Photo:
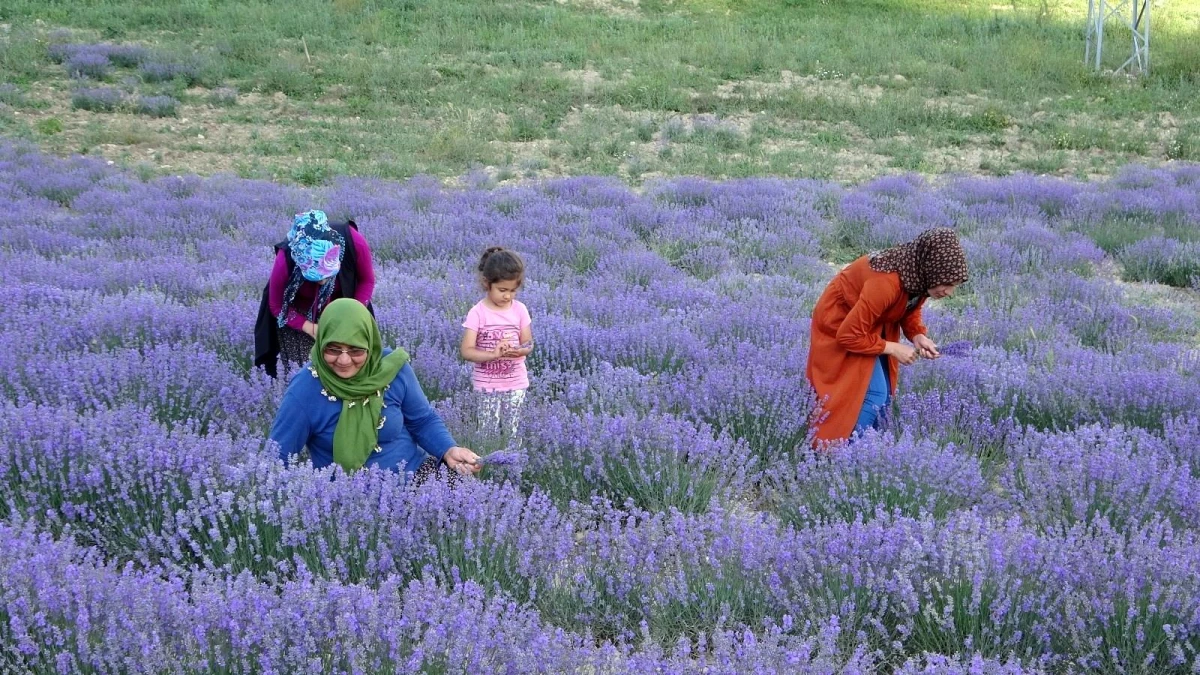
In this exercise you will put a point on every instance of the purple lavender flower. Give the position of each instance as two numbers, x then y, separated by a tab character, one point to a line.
876	475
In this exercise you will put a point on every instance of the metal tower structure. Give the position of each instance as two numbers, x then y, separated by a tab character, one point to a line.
1132	15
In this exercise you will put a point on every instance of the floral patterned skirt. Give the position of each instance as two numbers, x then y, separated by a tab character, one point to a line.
295	347
430	469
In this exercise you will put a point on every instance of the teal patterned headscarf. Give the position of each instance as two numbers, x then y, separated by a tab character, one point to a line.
317	249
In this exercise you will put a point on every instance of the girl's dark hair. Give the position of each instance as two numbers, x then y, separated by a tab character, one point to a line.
500	264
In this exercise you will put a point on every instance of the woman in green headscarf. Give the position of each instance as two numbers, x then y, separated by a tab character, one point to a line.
359	404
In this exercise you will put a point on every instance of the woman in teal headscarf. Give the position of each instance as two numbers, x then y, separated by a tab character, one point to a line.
358	404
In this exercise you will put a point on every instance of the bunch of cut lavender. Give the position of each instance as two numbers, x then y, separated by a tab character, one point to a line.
959	348
504	459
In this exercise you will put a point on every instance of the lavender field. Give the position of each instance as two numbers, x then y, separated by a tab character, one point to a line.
1034	508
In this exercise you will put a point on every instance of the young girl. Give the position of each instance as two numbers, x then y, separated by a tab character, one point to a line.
497	338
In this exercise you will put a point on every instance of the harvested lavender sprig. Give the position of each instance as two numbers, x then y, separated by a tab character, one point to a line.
503	458
959	348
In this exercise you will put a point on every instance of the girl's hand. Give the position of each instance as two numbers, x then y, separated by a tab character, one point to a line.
462	461
499	351
926	348
520	350
311	329
901	352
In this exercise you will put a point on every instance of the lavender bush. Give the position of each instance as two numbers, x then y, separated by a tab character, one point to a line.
223	96
1124	477
654	462
97	99
126	56
878	474
88	64
11	94
122	56
1031	508
165	69
156	106
1165	261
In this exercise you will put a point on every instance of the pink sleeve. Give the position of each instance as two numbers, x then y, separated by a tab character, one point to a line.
473	321
276	285
526	320
366	269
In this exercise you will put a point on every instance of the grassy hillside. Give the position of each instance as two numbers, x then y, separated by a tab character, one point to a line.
309	89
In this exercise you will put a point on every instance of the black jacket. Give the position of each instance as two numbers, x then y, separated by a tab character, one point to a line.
266	326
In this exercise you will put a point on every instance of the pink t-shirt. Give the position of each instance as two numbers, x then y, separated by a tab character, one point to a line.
491	328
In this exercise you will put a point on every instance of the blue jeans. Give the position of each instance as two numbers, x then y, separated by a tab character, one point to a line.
874	408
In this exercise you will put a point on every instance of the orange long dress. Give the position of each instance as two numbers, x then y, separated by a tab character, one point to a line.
858	312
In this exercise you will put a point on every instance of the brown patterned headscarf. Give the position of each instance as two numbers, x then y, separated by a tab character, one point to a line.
932	259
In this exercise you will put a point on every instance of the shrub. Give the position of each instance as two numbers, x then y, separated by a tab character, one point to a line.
122	56
166	71
97	99
127	56
11	94
223	96
1162	260
88	64
157	106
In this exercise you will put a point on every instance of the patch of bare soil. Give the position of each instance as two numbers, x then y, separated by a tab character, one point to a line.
588	80
964	159
199	139
961	105
835	88
614	7
206	139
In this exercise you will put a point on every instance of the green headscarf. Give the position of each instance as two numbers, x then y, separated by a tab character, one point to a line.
347	321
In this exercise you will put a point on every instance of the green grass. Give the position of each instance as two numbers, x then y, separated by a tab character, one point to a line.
1185	144
1047	163
537	87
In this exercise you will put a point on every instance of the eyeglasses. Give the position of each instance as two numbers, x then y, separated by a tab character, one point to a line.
352	352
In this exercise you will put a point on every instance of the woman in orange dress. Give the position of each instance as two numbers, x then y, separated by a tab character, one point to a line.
856	353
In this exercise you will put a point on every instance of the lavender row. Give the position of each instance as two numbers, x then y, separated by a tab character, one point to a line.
701	228
1091	600
109	618
958	583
